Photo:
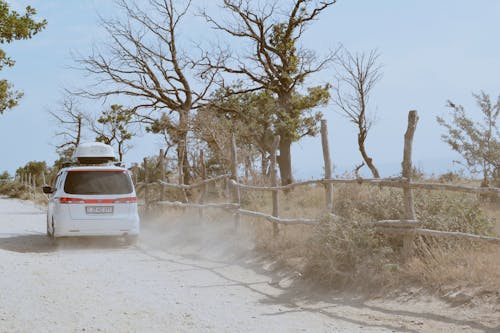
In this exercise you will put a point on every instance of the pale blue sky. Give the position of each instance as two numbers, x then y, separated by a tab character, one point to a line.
431	51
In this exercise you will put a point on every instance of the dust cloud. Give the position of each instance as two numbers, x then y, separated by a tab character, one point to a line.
211	236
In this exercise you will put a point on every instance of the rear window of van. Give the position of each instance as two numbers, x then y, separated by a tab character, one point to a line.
98	182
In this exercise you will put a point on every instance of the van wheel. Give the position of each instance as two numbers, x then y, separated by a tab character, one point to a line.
50	233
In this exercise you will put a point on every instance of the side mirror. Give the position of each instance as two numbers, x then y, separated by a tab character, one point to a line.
47	189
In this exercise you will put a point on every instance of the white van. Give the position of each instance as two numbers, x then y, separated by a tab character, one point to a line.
93	197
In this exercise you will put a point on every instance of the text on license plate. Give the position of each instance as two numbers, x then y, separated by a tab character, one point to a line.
99	209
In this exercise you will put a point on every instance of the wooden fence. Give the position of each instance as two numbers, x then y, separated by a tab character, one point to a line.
407	226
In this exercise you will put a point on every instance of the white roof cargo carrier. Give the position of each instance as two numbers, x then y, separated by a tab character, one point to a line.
94	153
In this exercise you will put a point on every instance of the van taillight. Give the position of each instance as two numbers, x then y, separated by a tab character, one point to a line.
71	200
126	200
65	200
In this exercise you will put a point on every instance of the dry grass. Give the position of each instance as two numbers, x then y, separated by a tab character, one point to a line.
459	264
299	202
492	210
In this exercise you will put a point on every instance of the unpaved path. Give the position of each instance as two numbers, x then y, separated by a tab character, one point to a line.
165	284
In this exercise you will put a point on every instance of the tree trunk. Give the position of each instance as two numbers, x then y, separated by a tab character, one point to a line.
120	152
285	160
182	148
485	182
79	130
285	157
248	167
182	158
264	163
366	158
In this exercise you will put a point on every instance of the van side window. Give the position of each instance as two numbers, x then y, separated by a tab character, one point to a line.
57	183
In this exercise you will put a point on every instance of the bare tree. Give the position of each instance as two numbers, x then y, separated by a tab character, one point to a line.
70	122
276	63
355	80
142	60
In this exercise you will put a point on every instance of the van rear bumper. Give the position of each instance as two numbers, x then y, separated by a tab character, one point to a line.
80	233
97	228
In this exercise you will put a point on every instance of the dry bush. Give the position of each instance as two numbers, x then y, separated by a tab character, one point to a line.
439	210
15	190
23	192
452	211
347	252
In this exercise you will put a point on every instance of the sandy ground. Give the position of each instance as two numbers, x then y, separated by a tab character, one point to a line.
184	281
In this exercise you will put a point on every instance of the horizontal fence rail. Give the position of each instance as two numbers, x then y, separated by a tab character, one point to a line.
186	187
271	218
393	182
455	234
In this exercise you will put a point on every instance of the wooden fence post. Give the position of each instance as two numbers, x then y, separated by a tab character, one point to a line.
235	193
328	167
161	161
29	184
274	183
407	166
33	185
146	187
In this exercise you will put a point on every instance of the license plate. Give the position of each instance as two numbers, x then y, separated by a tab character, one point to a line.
99	209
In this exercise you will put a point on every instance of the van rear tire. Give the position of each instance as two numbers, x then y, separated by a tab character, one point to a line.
50	233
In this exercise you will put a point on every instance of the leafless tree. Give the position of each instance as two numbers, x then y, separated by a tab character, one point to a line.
70	122
276	62
355	80
142	60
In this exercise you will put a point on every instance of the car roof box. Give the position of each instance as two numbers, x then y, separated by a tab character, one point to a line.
94	153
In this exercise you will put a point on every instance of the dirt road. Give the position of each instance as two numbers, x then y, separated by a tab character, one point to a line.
169	284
